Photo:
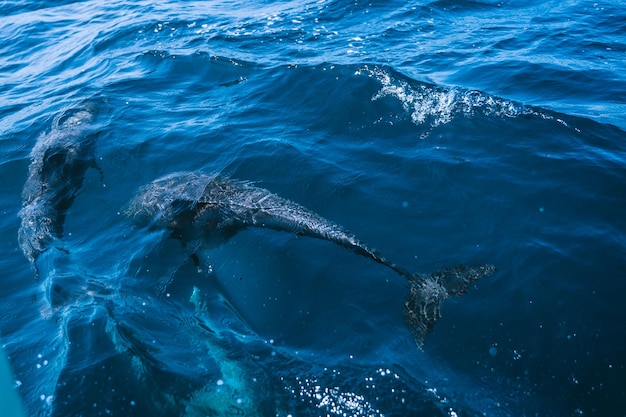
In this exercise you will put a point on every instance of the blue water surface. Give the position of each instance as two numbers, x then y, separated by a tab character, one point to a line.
440	133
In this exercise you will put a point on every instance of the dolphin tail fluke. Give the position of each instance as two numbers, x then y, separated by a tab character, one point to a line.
427	292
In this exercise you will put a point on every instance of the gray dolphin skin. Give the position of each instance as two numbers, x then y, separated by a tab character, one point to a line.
209	208
58	163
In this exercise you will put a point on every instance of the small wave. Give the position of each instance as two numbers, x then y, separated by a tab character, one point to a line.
435	106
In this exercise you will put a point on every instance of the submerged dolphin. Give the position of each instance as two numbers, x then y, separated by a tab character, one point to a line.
58	163
209	208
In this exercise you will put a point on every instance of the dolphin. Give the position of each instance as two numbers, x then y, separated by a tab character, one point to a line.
209	208
58	163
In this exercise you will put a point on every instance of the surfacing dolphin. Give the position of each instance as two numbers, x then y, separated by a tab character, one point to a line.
58	163
209	208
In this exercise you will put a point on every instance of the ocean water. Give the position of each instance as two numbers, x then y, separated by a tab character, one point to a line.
441	133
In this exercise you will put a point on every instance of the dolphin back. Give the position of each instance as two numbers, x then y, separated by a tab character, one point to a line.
213	208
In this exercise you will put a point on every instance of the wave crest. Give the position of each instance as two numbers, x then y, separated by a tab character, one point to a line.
435	106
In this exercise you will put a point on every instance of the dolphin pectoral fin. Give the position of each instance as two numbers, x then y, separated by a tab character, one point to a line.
98	168
426	293
196	261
